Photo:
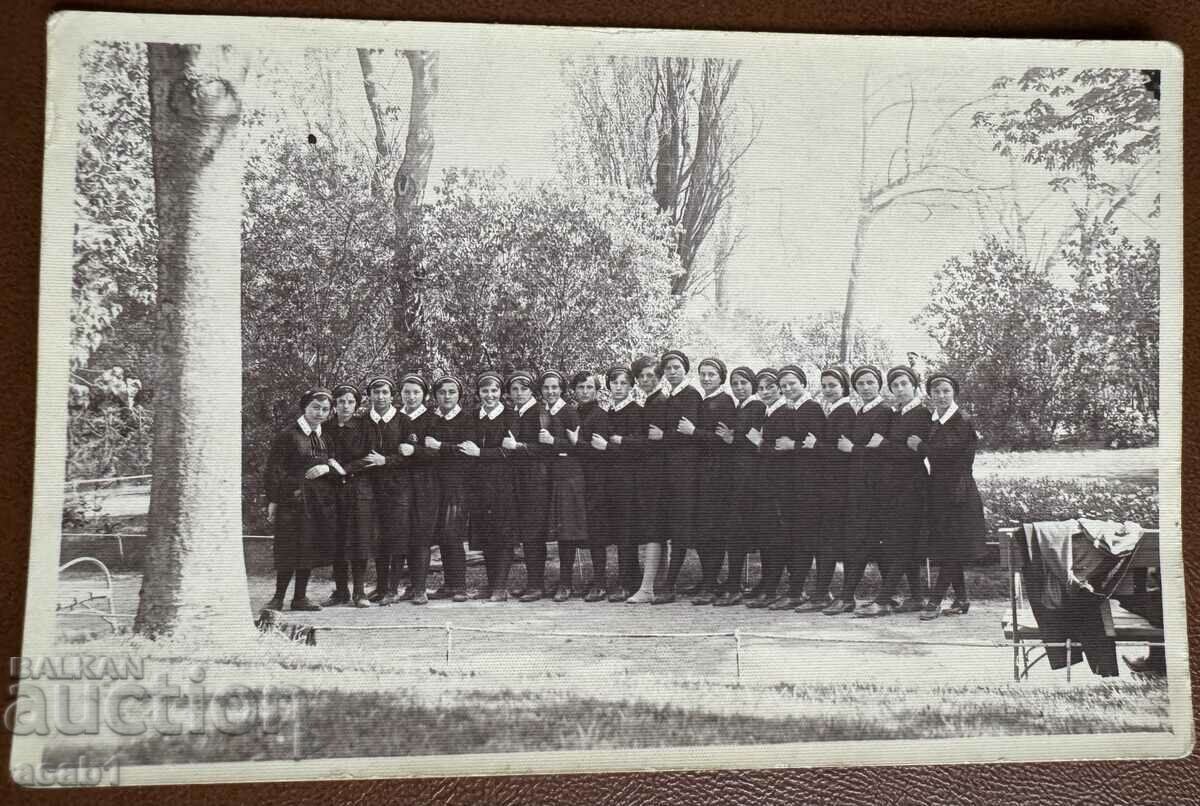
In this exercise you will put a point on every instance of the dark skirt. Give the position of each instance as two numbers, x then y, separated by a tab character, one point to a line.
834	511
866	515
531	486
355	520
714	499
601	515
648	516
454	510
493	507
681	477
426	495
567	517
957	529
306	529
621	489
744	519
393	511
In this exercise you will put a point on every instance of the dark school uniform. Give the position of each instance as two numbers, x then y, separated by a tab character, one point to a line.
957	529
356	491
566	520
680	469
306	509
624	474
493	495
804	501
455	472
714	489
595	463
834	467
744	519
904	497
650	513
530	474
383	434
422	476
866	514
777	472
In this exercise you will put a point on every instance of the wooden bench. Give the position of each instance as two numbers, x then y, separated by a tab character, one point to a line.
1021	628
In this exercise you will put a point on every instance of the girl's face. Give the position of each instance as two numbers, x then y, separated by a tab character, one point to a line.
346	406
316	411
489	395
673	371
710	380
648	380
868	387
769	392
520	393
381	397
551	391
447	396
619	387
831	387
741	387
903	389
585	390
791	387
942	395
413	396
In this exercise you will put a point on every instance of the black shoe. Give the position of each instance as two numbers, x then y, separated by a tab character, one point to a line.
837	607
690	590
441	593
361	601
305	604
761	601
276	603
619	595
420	598
728	599
958	608
562	594
784	602
704	598
376	595
931	611
596	594
531	595
459	596
873	610
815	604
663	598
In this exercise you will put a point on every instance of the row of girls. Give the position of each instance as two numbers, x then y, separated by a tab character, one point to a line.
747	463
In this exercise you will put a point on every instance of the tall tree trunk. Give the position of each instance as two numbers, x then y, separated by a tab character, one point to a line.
195	572
370	74
409	185
856	259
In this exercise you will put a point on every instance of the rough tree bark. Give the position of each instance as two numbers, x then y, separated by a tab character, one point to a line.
370	74
195	572
410	181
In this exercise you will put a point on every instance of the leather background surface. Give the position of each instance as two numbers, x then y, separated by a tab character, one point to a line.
23	56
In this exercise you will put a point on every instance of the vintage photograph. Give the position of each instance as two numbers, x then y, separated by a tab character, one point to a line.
431	399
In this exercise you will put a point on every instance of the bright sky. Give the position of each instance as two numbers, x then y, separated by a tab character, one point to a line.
798	185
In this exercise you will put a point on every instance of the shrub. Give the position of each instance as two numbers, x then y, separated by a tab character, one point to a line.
1010	502
1129	428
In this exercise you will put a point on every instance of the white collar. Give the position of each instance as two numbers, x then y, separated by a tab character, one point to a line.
306	428
628	399
415	413
720	390
669	392
778	404
878	399
950	412
452	414
910	405
742	403
557	407
841	401
386	416
800	401
493	414
530	403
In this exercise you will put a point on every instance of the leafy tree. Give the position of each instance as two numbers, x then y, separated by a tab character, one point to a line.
1004	330
555	274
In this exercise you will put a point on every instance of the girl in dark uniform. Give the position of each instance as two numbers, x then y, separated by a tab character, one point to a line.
800	497
384	427
302	500
529	456
742	522
681	457
775	485
865	513
713	486
624	429
956	524
566	521
649	514
452	437
421	469
356	496
905	489
834	463
493	511
592	449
